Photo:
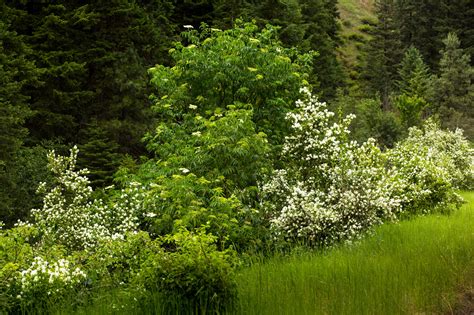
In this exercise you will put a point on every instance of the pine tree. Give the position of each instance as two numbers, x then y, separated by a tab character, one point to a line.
456	17
18	167
322	35
415	77
425	23
384	53
98	154
285	14
418	26
455	91
94	59
17	71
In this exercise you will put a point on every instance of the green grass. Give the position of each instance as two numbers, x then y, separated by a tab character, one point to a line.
417	266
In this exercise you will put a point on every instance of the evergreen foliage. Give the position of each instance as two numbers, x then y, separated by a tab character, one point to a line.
455	91
384	53
322	35
94	59
415	77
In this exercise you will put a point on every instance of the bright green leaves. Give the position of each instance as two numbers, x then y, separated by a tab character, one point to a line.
240	65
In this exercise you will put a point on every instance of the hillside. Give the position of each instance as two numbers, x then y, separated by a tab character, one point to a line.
356	16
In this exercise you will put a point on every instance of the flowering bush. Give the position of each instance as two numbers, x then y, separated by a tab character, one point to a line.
16	253
429	164
332	188
70	216
48	280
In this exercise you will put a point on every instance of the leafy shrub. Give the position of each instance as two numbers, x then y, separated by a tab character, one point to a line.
430	164
225	144
192	274
15	253
371	121
45	282
33	277
239	65
205	173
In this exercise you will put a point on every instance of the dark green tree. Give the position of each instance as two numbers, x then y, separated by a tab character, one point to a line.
384	53
285	14
454	89
425	23
321	34
418	21
17	72
20	170
98	154
415	77
94	59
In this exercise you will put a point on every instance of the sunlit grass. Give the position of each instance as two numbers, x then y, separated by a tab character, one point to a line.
412	267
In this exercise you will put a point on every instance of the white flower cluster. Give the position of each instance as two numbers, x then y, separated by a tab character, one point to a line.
428	165
71	217
333	188
51	278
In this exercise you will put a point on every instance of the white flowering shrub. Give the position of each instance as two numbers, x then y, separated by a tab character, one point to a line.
47	281
430	164
332	188
70	216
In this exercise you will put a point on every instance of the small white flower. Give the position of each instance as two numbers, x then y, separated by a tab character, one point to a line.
184	170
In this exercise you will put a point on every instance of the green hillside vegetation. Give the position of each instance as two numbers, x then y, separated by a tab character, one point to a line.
356	18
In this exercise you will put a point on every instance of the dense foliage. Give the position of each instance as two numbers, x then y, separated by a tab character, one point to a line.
232	155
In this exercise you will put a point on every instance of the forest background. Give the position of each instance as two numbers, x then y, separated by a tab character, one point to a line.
76	73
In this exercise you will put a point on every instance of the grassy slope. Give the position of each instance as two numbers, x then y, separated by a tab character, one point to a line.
416	266
353	14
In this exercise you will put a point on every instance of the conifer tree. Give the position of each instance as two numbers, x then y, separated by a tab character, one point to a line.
455	91
415	77
94	59
17	166
283	13
322	35
384	52
17	71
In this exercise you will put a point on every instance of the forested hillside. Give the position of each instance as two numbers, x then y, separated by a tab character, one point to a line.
251	125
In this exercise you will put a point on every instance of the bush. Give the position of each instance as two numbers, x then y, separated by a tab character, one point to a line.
16	253
192	274
70	216
430	164
45	282
332	188
239	65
